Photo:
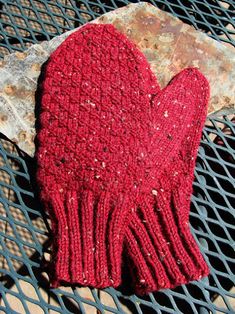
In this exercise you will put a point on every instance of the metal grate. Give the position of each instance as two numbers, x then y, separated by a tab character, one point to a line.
25	22
24	236
25	228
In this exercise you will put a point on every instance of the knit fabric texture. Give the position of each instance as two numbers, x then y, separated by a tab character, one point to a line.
162	250
115	163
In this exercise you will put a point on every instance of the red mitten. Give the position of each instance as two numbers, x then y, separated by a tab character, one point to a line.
93	144
104	144
158	240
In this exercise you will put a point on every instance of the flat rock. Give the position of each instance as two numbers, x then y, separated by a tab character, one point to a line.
169	45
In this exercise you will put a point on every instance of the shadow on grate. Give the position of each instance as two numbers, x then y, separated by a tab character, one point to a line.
25	240
26	22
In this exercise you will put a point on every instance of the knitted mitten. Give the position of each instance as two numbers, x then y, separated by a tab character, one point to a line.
158	240
104	142
95	128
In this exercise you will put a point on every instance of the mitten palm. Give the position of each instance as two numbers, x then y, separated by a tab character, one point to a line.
95	127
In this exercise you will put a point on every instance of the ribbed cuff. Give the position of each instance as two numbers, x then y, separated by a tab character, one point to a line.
88	240
162	250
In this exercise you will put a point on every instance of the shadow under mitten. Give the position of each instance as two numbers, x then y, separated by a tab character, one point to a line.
158	239
95	124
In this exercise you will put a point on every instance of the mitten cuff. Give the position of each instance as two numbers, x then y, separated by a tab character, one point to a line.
87	239
162	250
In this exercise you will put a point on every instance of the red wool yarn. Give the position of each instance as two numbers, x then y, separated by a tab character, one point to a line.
110	145
158	240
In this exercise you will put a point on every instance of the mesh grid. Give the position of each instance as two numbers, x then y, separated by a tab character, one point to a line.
25	234
25	228
24	22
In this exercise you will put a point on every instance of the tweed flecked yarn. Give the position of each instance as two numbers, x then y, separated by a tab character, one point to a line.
110	143
159	243
95	126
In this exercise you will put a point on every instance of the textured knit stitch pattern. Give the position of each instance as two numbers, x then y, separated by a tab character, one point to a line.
94	128
158	239
109	143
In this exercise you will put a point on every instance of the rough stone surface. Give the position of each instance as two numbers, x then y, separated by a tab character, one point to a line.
168	44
